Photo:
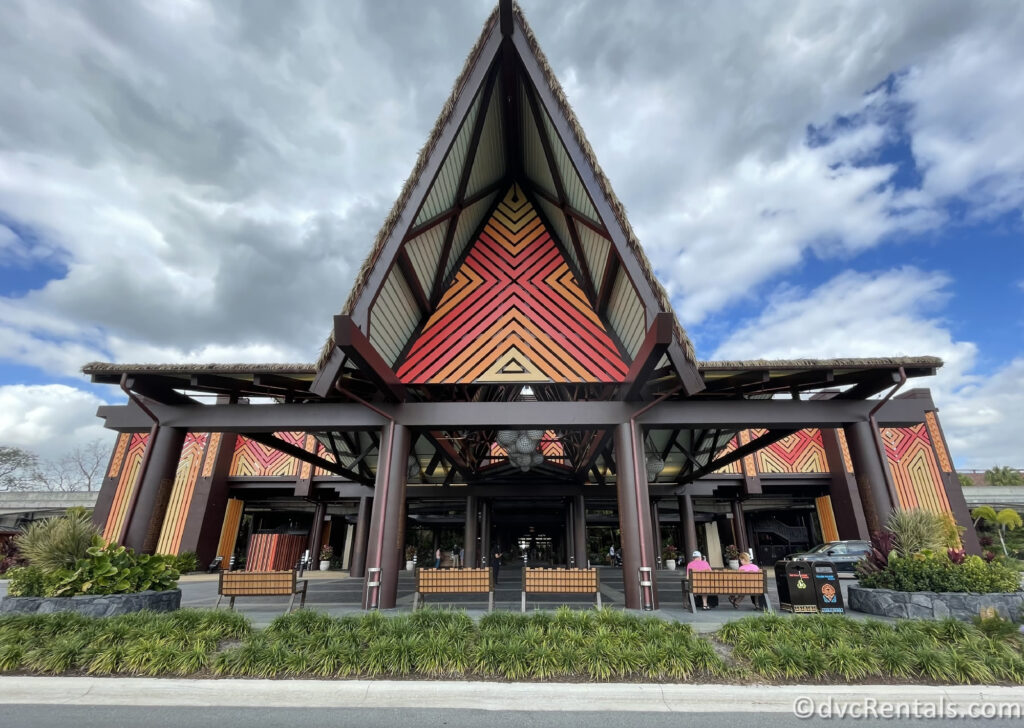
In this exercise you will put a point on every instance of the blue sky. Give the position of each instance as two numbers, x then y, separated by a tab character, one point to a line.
192	182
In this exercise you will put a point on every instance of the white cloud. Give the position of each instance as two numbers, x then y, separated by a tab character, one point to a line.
894	314
49	420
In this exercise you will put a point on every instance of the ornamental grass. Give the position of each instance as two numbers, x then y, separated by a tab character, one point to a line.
564	645
836	649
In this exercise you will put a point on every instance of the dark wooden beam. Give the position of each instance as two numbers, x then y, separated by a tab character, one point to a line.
482	193
739	453
437	416
266	438
159	389
413	281
276	381
350	340
604	294
652	349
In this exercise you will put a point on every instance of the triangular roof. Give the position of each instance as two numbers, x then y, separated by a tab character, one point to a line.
513	312
507	121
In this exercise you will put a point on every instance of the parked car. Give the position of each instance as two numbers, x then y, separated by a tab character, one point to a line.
844	554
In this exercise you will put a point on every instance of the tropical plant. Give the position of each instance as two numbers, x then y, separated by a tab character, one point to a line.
882	547
965	480
326	553
10	556
1003	475
1006	519
731	553
669	553
915	530
57	543
187	562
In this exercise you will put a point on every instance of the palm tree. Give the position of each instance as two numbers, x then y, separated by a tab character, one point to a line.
1003	520
1003	475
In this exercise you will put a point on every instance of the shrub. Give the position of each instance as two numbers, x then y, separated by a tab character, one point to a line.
186	563
31	581
916	530
932	572
57	543
111	569
10	556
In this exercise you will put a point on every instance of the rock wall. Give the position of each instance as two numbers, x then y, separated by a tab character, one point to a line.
108	605
933	605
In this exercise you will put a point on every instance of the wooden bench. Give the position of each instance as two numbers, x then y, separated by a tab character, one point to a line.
453	581
561	581
234	584
727	583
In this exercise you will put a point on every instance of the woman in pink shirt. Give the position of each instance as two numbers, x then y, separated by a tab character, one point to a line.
745	565
697	563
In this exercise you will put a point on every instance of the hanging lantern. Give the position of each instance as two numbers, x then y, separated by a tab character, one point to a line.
536	459
524	444
507	437
535	435
655	464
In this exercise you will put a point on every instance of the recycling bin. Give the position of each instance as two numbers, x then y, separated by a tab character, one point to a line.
827	593
796	589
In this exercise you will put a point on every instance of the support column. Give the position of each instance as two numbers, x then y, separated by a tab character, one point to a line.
846	504
569	542
869	472
387	531
634	517
688	526
146	515
739	525
357	567
470	536
316	532
655	531
579	531
486	549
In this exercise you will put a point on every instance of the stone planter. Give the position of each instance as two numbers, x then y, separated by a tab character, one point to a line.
325	565
933	605
670	564
108	605
410	565
734	564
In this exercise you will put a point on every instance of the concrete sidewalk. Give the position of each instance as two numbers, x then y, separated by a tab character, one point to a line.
462	695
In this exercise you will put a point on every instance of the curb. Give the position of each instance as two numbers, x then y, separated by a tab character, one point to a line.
555	697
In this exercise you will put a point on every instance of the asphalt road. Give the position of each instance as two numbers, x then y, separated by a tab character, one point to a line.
102	716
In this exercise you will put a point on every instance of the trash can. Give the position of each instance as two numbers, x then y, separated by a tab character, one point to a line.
827	592
796	590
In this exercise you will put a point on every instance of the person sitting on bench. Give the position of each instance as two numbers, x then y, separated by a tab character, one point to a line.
698	563
745	565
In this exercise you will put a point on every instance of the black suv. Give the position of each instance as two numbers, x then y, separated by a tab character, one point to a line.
844	554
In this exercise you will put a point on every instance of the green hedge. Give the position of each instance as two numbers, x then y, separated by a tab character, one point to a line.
937	573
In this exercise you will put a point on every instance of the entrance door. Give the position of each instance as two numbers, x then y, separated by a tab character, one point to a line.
530	533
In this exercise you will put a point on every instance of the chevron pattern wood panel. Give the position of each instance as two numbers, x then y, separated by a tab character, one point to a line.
130	462
513	313
253	460
914	468
801	452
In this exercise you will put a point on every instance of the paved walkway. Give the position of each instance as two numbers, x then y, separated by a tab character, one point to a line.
336	594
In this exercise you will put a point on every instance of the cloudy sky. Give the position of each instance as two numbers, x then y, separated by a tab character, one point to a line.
185	181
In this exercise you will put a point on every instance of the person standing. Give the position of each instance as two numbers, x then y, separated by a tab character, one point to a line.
437	558
611	554
496	564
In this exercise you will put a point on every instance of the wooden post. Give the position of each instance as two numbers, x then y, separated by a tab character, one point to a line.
357	568
470	535
387	531
150	507
869	473
579	512
688	525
